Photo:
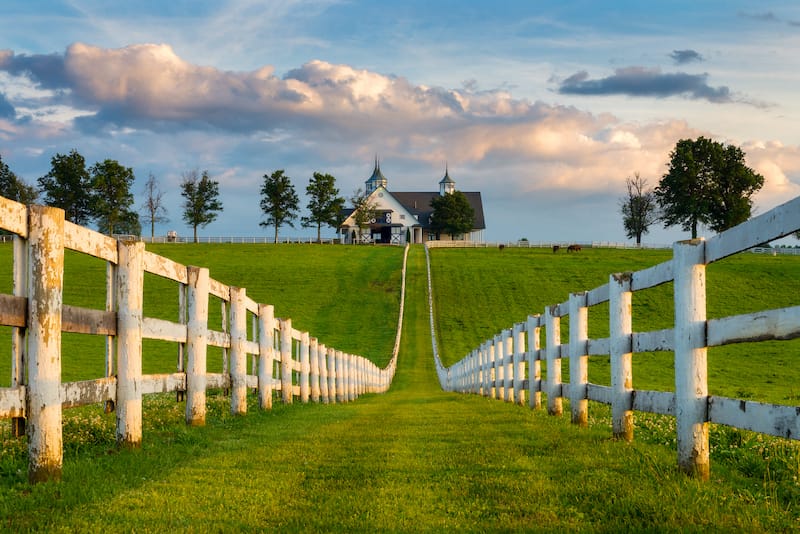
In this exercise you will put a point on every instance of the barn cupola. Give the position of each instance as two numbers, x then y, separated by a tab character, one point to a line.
376	180
446	185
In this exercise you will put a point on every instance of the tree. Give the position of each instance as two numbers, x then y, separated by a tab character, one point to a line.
111	198
14	188
639	208
279	201
201	200
324	205
452	214
68	186
364	211
153	205
706	183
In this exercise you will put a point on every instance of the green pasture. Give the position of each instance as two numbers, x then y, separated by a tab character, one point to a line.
415	459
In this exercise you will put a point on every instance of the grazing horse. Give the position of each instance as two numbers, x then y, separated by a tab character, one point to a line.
574	248
556	248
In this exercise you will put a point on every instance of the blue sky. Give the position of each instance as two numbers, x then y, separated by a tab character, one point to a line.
544	107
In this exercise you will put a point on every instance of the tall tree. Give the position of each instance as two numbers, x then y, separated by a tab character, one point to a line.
112	198
153	205
279	201
639	208
706	183
364	211
324	204
68	186
14	188
452	214
200	200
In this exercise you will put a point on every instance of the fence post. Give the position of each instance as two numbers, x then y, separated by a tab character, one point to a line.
313	356
238	353
499	370
196	345
305	368
332	370
341	376
508	364
266	354
18	333
621	331
322	355
130	297
519	363
578	359
45	277
534	363
553	350
486	370
691	365
286	361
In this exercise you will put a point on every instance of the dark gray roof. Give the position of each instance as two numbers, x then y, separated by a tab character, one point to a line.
419	204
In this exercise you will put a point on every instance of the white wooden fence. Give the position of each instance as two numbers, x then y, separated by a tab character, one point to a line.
497	368
283	359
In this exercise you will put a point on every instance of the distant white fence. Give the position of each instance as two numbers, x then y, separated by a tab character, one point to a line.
236	239
540	244
497	368
282	359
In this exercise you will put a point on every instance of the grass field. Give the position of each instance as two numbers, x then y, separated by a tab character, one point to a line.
415	459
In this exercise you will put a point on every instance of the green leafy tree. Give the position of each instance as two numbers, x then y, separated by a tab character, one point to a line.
706	183
452	215
14	188
112	198
364	211
324	204
153	205
200	200
639	208
279	201
68	186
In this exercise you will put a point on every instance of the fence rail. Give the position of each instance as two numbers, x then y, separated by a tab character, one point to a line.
282	359
497	368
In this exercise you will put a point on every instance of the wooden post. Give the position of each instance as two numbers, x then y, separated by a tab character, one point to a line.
691	365
508	359
305	368
238	352
45	282
130	299
266	354
534	363
322	354
196	344
182	319
332	370
621	330
352	376
578	359
18	333
341	377
499	367
286	361
111	306
519	363
313	358
486	371
553	350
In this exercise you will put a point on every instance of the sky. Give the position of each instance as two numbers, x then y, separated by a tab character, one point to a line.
544	107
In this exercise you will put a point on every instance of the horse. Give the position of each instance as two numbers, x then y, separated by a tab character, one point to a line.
556	248
574	248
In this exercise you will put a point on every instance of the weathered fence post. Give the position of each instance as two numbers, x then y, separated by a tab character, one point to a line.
691	365
519	363
578	359
553	350
266	354
196	345
305	368
130	299
45	276
313	357
332	370
238	353
18	333
534	363
322	355
621	331
286	361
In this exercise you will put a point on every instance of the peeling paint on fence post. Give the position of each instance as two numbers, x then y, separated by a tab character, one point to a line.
266	354
534	363
332	370
196	344
286	361
578	359
553	350
519	363
18	333
238	353
313	358
322	355
305	368
691	365
130	299
621	330
45	281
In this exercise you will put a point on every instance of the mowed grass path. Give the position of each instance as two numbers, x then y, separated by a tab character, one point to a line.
413	460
